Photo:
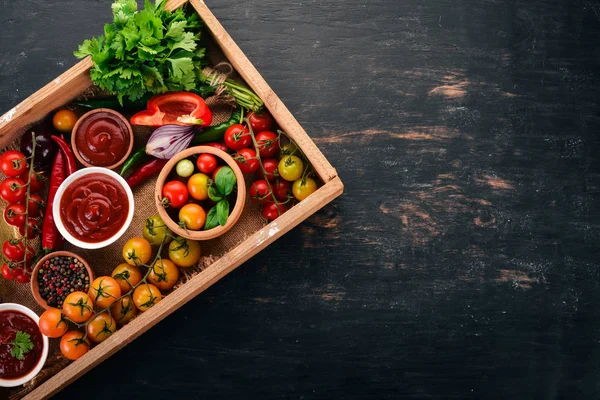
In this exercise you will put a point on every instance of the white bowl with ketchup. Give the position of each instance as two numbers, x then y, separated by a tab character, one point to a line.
93	207
16	318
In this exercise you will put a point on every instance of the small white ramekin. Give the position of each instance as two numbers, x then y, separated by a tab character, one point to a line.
41	362
56	207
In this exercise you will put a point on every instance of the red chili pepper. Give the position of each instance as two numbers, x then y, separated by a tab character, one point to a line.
145	171
67	153
51	237
176	108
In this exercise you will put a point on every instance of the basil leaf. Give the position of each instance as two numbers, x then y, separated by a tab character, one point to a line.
222	211
225	181
214	194
211	219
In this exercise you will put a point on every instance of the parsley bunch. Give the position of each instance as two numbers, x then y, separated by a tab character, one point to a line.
147	51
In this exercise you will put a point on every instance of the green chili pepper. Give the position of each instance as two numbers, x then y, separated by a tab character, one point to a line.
133	159
215	133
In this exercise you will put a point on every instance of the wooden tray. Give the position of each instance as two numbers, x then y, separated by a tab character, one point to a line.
73	84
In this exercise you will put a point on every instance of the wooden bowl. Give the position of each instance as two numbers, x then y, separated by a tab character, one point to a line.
75	132
239	202
35	289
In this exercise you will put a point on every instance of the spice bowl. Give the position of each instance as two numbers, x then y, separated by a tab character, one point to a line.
235	213
60	264
18	308
102	138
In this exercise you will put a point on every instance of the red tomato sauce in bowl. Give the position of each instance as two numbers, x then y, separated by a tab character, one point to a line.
94	207
102	138
12	322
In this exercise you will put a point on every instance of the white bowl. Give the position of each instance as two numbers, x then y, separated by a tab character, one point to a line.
41	362
56	207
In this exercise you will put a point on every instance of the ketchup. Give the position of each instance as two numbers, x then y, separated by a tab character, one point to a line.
12	322
102	139
94	208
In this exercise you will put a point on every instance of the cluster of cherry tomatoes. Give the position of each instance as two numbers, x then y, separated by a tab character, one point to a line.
132	287
20	213
283	174
200	192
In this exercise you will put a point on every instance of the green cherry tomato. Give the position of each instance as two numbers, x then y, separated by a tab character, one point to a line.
290	168
185	168
155	230
302	188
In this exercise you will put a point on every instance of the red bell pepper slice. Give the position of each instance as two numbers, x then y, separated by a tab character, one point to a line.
175	108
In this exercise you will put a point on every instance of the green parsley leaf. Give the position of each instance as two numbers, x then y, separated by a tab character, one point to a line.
175	30
21	345
181	66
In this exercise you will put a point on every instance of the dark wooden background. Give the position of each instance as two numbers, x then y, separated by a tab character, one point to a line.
462	259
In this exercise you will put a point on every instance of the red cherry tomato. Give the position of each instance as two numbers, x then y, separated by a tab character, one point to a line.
14	215
260	193
216	145
270	165
37	180
12	190
32	228
176	192
35	204
16	251
246	160
13	163
270	211
237	137
268	143
282	189
7	273
214	174
260	121
20	275
206	163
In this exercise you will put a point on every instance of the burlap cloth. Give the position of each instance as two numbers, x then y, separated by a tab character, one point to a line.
103	261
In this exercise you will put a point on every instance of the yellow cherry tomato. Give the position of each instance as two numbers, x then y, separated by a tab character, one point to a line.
198	186
137	251
155	230
164	274
64	121
184	252
290	168
145	296
302	188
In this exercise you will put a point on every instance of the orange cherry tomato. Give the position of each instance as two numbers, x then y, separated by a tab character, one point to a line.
73	345
145	296
137	251
78	307
104	291
52	323
164	274
198	186
127	276
64	121
192	216
123	310
101	327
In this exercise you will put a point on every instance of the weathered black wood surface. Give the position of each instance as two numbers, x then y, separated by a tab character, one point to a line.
462	260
